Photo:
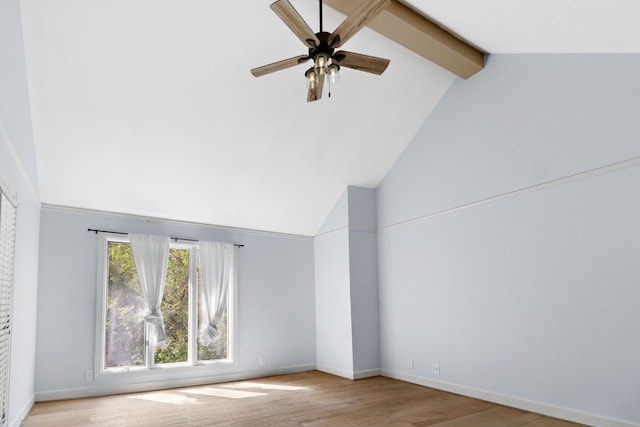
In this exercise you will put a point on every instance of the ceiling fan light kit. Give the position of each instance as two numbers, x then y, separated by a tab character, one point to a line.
322	46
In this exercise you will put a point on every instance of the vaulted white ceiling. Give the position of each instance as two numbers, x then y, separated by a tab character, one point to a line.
148	107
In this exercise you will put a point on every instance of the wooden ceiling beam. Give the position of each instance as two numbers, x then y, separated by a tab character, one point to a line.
424	37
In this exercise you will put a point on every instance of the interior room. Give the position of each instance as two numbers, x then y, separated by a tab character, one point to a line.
463	216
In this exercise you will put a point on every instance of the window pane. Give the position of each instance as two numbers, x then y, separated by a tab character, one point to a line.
124	338
124	344
218	349
175	309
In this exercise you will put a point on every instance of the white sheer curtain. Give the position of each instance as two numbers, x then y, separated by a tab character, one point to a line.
216	263
151	254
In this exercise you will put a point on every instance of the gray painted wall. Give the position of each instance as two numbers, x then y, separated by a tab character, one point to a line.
334	339
276	286
347	287
364	281
509	239
18	176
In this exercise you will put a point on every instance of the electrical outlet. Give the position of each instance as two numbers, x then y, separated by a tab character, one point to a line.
263	360
88	375
436	369
410	363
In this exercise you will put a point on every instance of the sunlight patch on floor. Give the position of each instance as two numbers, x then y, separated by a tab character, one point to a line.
222	392
172	398
227	391
263	386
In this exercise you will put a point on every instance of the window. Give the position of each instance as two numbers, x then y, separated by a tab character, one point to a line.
123	336
7	246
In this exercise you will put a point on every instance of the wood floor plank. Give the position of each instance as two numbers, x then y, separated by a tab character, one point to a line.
307	399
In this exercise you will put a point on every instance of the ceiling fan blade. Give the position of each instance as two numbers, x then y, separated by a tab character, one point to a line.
358	61
280	65
294	21
320	86
365	12
315	93
311	94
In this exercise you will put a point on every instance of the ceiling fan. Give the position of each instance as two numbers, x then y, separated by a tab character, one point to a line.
322	46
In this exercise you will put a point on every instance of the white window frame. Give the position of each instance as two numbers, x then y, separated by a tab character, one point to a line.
102	289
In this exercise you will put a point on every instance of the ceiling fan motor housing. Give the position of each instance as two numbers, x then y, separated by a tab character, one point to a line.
323	47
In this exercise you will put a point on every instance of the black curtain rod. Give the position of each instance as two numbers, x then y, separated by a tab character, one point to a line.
172	238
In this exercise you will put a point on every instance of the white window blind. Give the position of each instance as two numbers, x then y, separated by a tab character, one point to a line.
7	245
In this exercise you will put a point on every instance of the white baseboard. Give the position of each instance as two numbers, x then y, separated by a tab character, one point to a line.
367	373
515	402
16	420
351	375
335	371
104	390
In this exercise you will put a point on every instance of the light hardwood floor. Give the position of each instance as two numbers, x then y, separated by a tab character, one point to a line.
304	399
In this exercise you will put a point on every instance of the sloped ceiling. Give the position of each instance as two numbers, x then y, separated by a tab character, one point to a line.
148	107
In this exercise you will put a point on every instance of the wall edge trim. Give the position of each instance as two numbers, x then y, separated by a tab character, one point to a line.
601	170
346	228
332	232
177	222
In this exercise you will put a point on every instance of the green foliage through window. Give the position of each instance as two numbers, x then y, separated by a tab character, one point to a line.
124	338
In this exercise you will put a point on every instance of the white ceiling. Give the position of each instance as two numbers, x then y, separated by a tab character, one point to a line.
148	107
